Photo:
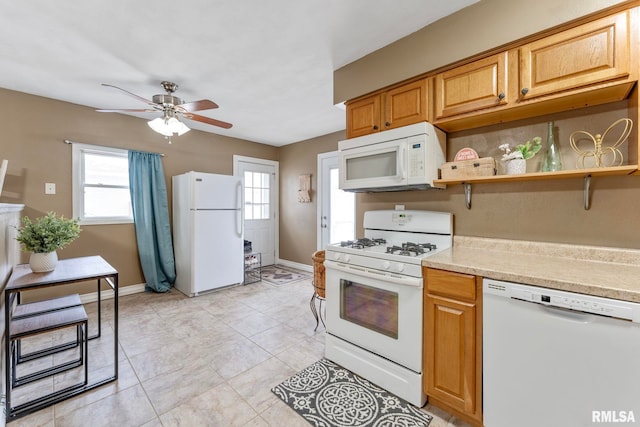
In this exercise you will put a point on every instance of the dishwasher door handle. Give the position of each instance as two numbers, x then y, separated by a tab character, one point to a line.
565	313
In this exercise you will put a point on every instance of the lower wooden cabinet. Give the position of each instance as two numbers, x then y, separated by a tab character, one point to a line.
452	366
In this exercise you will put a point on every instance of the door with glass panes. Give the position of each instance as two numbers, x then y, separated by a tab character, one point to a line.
259	206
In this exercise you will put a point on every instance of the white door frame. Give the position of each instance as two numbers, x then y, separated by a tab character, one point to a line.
321	157
322	163
276	194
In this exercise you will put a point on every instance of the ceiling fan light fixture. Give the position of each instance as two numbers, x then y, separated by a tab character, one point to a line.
176	126
182	128
168	126
158	124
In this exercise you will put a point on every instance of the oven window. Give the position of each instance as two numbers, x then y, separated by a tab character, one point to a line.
369	307
372	166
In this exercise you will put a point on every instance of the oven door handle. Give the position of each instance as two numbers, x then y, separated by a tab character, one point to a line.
398	280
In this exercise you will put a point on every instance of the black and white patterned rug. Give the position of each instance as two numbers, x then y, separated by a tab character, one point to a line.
327	395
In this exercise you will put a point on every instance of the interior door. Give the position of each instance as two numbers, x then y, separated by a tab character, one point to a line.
336	208
260	204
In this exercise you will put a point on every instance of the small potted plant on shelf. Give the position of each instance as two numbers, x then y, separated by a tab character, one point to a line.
44	236
515	160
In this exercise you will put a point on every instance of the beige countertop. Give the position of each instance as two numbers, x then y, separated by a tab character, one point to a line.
593	270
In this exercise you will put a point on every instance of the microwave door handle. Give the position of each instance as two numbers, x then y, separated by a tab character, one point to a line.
403	163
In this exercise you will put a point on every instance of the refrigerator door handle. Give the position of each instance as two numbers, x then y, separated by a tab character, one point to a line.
240	214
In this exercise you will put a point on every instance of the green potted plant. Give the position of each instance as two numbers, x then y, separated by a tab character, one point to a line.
44	236
515	160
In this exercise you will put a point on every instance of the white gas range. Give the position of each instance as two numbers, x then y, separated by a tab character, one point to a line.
374	297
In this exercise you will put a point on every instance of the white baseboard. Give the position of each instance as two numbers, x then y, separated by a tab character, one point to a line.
292	264
108	294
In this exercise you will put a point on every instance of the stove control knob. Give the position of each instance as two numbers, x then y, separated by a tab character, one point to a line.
400	267
347	258
337	256
386	265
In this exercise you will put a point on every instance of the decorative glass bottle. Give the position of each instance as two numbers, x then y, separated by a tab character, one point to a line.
552	160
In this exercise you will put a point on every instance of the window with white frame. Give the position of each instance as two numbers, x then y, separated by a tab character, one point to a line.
256	195
101	185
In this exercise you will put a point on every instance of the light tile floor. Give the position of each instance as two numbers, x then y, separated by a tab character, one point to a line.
205	361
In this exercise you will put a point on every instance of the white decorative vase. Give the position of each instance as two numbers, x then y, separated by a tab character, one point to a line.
516	166
41	263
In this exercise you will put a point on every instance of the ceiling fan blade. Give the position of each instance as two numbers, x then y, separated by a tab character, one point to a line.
203	104
208	120
129	110
131	94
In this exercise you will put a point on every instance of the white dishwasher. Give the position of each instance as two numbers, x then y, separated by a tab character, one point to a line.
554	358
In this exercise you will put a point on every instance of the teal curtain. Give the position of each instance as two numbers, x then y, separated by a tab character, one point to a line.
151	219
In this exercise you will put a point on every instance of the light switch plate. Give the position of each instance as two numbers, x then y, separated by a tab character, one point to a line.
49	188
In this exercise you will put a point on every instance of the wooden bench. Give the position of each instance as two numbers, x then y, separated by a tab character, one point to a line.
46	322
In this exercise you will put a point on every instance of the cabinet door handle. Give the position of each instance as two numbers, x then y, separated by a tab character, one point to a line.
387	124
375	127
501	96
524	90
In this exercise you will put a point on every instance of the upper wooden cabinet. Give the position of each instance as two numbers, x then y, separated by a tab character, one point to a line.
402	105
405	105
588	54
588	64
480	84
363	116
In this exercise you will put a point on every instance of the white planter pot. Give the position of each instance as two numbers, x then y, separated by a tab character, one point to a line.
515	166
41	263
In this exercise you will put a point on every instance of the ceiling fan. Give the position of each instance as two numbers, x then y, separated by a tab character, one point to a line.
171	107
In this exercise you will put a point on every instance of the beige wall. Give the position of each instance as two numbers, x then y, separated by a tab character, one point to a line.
298	220
34	129
480	27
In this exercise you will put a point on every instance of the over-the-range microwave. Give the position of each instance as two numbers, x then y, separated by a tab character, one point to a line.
405	158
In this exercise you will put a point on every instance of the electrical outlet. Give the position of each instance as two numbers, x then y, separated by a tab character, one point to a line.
49	188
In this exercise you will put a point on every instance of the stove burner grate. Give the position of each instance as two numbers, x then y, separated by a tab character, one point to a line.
409	248
362	243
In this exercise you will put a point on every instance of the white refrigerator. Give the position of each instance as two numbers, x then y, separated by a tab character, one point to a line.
207	231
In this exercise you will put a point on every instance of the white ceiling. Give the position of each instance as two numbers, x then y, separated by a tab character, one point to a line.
268	64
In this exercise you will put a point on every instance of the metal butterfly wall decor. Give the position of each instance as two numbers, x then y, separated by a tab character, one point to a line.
600	156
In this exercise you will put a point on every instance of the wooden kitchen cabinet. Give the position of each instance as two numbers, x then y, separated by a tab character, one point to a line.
398	106
452	365
589	64
589	54
471	87
405	105
363	116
